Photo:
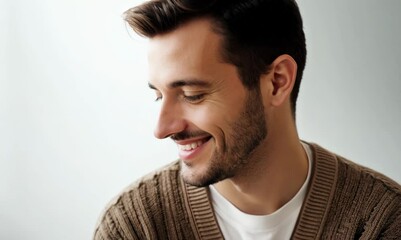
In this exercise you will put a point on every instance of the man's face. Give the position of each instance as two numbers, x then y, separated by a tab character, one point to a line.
205	109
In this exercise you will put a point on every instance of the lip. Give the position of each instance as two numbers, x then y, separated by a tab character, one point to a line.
204	138
189	155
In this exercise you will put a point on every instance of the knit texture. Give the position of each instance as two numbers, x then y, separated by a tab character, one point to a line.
344	201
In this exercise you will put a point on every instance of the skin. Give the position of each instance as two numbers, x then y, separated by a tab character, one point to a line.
203	101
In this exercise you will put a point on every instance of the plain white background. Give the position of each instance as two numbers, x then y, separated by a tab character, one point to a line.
76	115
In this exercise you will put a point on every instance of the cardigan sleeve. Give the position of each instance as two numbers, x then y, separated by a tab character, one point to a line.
393	228
114	225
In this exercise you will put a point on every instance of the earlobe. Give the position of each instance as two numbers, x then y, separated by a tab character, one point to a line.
284	71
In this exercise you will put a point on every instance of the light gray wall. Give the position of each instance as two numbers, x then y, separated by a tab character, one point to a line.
351	92
76	117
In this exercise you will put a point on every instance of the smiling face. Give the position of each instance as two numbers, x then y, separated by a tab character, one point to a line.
216	122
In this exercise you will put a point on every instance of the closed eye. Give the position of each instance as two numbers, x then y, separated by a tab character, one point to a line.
194	98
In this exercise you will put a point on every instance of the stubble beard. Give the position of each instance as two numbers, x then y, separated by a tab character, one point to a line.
247	132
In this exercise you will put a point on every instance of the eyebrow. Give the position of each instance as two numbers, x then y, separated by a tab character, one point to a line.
186	82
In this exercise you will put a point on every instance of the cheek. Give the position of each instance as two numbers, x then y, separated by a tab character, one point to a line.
214	120
205	117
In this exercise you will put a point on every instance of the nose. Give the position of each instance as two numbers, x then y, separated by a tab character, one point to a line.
170	120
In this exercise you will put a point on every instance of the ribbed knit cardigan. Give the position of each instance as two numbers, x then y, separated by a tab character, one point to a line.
344	201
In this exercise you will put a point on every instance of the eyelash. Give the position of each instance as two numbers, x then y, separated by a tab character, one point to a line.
194	98
190	99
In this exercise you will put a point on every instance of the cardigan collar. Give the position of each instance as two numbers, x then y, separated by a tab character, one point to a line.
313	212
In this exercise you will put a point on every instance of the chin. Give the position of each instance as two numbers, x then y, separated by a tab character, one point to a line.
193	175
201	177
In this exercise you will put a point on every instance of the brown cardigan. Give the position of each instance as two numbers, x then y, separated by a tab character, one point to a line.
344	201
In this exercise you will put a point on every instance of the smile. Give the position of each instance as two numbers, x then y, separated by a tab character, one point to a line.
191	145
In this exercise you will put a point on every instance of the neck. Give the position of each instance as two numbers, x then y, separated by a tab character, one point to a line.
275	173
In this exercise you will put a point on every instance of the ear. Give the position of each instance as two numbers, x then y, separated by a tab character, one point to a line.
283	72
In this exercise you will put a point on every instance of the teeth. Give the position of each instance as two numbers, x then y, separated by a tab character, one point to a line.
190	146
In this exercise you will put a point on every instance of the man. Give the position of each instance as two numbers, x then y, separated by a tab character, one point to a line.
227	75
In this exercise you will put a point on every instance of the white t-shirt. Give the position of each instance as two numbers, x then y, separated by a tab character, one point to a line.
235	224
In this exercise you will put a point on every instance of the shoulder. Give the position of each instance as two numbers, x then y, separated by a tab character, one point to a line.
351	170
387	183
363	201
354	172
138	209
146	184
163	175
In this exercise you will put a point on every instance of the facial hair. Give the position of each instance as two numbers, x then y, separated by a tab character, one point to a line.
246	134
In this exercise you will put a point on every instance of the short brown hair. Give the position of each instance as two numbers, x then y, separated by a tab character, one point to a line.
255	32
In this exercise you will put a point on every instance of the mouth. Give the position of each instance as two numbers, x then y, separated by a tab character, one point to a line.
190	145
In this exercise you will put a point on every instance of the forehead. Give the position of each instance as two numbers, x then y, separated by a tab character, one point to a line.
190	51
